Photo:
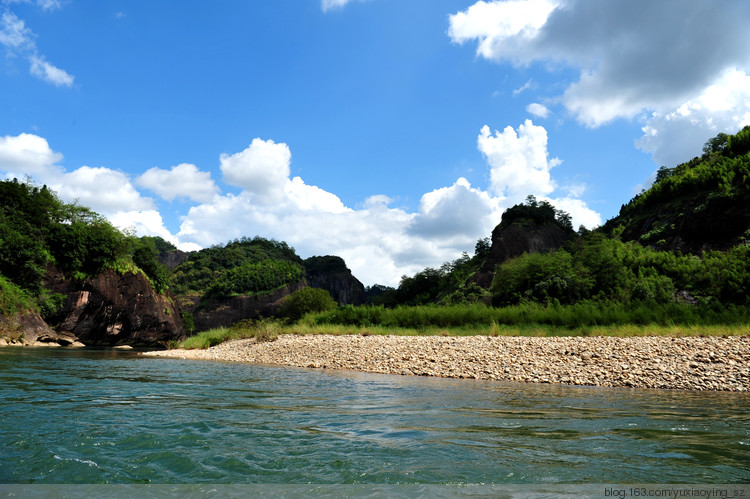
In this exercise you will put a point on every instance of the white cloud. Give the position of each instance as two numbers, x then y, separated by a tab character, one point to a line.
632	56
143	223
677	135
28	154
13	32
181	181
519	162
49	4
312	198
20	40
378	242
458	211
526	86
503	30
579	212
52	74
538	110
262	170
327	5
104	190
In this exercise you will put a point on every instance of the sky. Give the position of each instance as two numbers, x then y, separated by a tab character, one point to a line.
391	133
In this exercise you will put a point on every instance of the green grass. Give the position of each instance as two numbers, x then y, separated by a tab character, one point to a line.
585	319
264	330
586	314
621	330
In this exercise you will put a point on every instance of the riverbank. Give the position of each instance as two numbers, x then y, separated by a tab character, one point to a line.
689	363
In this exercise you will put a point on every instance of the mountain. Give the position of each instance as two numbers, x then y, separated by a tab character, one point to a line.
700	205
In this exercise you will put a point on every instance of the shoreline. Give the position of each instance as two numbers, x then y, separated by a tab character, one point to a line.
684	363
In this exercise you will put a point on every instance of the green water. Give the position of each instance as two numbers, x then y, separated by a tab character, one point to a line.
104	417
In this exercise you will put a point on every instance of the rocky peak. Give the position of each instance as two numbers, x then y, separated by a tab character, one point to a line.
515	239
330	273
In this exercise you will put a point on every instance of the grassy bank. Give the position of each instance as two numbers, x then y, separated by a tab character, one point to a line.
264	330
528	319
585	314
622	330
213	337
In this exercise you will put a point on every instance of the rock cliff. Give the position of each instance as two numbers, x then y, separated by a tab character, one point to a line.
214	313
688	224
173	258
28	328
114	309
330	273
515	239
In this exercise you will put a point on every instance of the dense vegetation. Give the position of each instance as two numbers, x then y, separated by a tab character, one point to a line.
241	267
604	276
579	315
701	204
38	232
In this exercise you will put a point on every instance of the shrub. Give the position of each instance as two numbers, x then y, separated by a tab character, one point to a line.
304	301
266	330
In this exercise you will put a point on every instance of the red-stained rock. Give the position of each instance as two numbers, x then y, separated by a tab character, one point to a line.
115	309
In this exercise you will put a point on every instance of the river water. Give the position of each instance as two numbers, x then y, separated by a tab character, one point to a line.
93	417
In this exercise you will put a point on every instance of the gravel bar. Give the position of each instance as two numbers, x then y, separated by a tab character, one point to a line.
685	363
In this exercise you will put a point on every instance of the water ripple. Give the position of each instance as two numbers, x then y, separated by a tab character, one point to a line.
93	417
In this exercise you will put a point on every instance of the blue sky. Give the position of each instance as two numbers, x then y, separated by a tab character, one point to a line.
392	133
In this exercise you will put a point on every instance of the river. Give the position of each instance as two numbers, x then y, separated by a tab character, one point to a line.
106	417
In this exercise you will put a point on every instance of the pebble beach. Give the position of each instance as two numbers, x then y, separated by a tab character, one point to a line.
685	363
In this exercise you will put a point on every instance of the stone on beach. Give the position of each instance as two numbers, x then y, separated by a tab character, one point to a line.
689	363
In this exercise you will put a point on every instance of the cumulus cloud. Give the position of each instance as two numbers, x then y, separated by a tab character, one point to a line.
675	136
28	154
262	170
503	30
312	198
520	165
458	211
18	39
633	56
181	181
519	162
379	243
147	223
106	191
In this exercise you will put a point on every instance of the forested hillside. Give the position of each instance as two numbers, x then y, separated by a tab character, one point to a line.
703	204
241	267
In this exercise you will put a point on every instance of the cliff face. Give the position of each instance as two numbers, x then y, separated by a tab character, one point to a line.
172	259
218	313
112	309
515	240
330	273
688	224
28	328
